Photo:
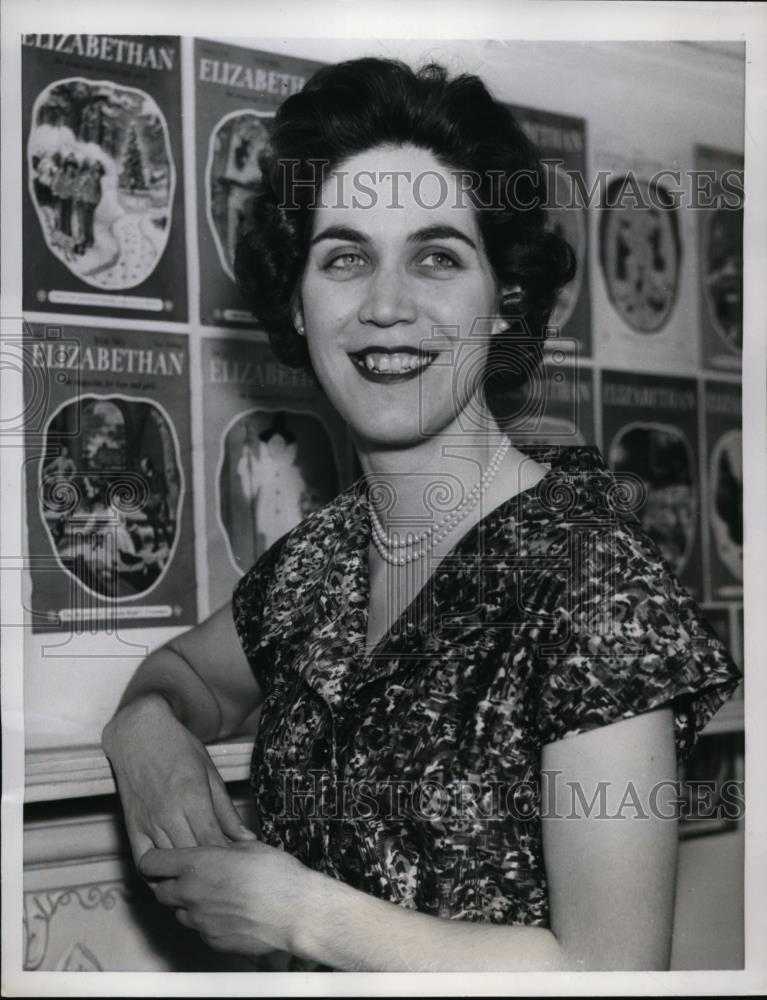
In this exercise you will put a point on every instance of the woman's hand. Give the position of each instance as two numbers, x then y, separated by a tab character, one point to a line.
245	898
172	795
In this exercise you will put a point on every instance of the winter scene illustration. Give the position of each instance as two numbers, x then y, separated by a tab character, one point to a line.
102	180
661	456
232	178
276	468
110	491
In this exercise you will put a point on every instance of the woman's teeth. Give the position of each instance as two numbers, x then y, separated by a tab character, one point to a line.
392	363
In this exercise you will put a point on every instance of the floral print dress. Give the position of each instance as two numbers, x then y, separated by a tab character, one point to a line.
413	772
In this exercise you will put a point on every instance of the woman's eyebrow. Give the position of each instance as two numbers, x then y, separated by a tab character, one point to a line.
340	233
443	232
439	232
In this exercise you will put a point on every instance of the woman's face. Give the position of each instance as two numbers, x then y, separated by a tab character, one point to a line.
397	297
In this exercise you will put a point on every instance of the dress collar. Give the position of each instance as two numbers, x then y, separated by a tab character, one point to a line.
344	594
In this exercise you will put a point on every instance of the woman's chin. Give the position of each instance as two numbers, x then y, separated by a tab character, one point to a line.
391	437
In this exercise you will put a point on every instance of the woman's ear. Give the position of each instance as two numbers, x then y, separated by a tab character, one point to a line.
297	315
510	297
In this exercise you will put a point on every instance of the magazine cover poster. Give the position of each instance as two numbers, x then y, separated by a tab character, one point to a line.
275	450
109	502
722	408
555	407
561	142
644	306
103	176
650	431
720	259
237	92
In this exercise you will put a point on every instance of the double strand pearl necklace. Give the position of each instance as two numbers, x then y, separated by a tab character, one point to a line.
401	551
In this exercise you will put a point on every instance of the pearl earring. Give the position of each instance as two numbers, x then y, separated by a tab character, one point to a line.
300	330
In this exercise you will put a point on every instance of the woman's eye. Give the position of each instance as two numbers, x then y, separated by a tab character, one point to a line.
345	262
438	259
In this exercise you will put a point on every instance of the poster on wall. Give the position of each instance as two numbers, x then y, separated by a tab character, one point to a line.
720	259
561	142
556	407
275	450
103	176
237	91
643	312
650	431
722	408
109	501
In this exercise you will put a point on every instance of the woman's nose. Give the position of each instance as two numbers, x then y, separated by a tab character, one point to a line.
387	299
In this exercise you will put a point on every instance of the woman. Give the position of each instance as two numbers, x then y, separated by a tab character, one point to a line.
469	659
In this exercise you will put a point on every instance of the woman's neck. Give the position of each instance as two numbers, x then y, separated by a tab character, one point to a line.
418	484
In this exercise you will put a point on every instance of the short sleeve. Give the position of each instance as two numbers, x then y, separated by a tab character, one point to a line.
249	601
628	638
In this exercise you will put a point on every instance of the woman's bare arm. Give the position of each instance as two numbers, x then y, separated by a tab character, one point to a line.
611	881
197	688
204	676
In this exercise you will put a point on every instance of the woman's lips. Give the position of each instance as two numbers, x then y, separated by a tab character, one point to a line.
391	365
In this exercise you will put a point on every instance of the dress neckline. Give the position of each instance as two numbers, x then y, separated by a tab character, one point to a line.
360	533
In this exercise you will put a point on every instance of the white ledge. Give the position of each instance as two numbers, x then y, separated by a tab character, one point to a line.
80	772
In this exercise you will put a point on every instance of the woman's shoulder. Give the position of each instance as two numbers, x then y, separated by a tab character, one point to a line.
578	497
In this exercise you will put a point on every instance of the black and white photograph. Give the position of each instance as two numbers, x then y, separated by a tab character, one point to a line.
382	444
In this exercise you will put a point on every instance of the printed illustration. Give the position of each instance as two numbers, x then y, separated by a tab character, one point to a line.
640	253
726	500
102	179
232	178
109	499
722	277
561	141
237	92
662	457
276	468
568	221
110	493
720	258
724	447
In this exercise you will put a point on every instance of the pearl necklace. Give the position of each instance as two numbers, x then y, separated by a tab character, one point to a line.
401	551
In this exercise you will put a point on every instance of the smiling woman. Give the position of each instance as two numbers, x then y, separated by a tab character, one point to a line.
471	658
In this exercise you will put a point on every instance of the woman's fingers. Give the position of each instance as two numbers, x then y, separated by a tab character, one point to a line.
226	814
140	843
178	831
166	863
166	892
205	826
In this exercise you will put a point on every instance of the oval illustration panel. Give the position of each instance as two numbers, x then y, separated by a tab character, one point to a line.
640	252
723	274
275	469
102	179
726	503
662	457
569	223
232	178
110	491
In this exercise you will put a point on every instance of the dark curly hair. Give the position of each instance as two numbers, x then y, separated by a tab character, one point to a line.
353	106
